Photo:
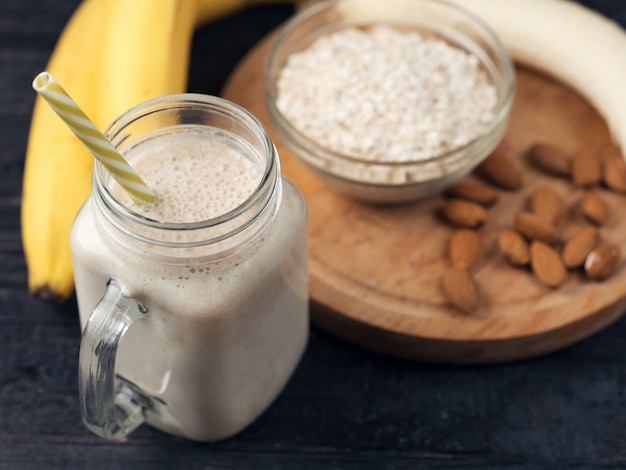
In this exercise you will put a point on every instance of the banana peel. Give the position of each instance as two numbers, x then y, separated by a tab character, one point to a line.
145	53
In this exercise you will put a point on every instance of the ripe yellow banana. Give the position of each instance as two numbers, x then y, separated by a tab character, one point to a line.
57	167
144	54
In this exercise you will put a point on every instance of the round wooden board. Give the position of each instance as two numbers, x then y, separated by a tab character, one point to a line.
375	270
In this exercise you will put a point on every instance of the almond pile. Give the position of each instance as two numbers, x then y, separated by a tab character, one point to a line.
535	240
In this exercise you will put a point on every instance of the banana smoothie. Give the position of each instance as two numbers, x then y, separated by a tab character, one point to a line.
218	265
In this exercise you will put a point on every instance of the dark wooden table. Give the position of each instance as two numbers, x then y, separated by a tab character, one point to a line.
345	407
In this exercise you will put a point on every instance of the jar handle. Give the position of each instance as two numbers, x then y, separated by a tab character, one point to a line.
111	407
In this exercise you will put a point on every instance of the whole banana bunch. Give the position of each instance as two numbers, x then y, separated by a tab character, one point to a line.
142	50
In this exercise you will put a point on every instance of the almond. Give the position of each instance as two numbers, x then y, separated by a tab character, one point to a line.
513	247
614	173
578	247
547	264
474	191
460	289
585	170
550	159
462	213
547	204
594	208
535	227
499	170
464	248
602	262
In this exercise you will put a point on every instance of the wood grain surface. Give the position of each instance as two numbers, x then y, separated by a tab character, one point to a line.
375	270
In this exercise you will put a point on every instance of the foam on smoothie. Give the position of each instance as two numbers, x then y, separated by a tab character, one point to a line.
196	178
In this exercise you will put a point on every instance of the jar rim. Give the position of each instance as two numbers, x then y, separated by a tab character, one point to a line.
214	229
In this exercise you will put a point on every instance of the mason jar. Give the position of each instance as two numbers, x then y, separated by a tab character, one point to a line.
192	326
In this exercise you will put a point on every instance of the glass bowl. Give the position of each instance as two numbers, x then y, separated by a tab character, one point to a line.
408	178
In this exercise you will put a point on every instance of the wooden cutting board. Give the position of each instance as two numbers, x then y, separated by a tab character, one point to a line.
375	270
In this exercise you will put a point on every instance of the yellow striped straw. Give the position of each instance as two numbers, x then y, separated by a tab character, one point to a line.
97	143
